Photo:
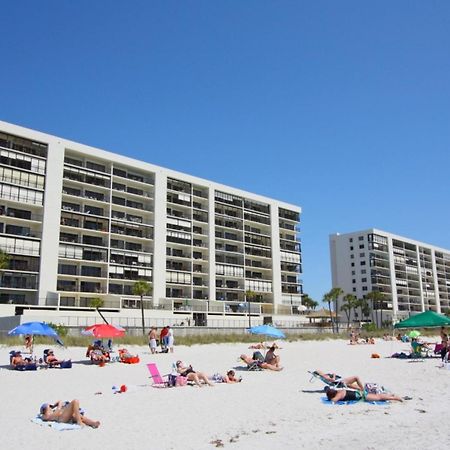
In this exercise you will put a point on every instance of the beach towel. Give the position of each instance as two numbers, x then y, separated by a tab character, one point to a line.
56	425
325	401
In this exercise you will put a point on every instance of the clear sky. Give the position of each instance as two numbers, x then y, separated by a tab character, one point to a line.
341	107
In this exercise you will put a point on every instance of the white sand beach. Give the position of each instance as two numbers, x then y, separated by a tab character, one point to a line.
268	410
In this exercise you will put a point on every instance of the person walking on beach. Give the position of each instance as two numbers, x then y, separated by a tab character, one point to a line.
152	339
162	340
170	339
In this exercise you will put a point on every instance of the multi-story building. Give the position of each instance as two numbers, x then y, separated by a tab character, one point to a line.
412	275
80	223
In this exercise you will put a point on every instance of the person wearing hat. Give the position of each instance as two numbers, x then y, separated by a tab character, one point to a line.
52	360
66	412
17	360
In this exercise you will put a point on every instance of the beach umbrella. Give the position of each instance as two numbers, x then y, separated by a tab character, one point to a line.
427	319
35	329
267	330
103	330
414	334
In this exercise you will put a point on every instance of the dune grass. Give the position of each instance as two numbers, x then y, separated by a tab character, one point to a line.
198	339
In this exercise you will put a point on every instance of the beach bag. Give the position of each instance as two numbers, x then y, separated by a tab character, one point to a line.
172	380
373	388
66	364
180	380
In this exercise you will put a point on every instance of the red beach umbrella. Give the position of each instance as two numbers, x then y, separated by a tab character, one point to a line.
103	330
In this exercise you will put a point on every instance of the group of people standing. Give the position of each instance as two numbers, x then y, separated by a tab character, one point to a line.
166	339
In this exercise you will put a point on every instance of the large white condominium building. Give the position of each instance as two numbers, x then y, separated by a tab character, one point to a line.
79	223
414	276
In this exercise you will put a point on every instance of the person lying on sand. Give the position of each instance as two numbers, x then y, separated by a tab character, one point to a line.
352	382
66	412
191	375
345	395
263	364
230	377
263	345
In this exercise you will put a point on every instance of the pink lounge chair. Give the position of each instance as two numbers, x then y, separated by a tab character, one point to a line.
158	380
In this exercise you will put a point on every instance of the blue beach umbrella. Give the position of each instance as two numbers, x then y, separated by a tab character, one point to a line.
35	329
267	330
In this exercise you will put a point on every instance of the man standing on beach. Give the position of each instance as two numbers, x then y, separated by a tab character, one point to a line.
162	340
152	339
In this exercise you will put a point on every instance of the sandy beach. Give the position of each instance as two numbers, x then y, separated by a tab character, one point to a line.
266	410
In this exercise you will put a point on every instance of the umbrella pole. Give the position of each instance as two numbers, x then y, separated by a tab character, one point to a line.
101	315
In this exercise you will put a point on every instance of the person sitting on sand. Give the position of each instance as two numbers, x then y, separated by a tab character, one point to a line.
271	358
191	375
263	364
66	412
352	382
345	395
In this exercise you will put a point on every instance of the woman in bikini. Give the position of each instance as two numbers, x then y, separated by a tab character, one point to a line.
66	412
345	395
191	375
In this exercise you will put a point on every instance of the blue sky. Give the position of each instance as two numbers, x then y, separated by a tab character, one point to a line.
341	107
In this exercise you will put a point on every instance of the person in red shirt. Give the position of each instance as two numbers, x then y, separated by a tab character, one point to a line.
163	339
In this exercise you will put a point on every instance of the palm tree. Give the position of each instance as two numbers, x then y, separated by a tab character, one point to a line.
349	304
327	298
97	303
333	296
309	302
4	263
249	296
377	298
142	288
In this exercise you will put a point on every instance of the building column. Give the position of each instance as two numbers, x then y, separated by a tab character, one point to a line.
211	245
276	259
159	237
435	282
393	279
48	271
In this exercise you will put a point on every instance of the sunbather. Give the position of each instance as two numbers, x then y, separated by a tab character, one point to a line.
20	363
66	412
191	375
230	377
263	364
52	360
352	382
345	395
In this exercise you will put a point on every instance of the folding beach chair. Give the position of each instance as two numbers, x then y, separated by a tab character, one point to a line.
158	380
338	383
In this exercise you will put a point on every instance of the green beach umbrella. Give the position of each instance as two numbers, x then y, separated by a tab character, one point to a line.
427	319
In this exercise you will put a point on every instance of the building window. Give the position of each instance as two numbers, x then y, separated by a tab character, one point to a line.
353	264
361	246
350	240
361	255
352	256
364	288
363	271
363	280
362	263
353	281
360	238
353	272
351	248
354	289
